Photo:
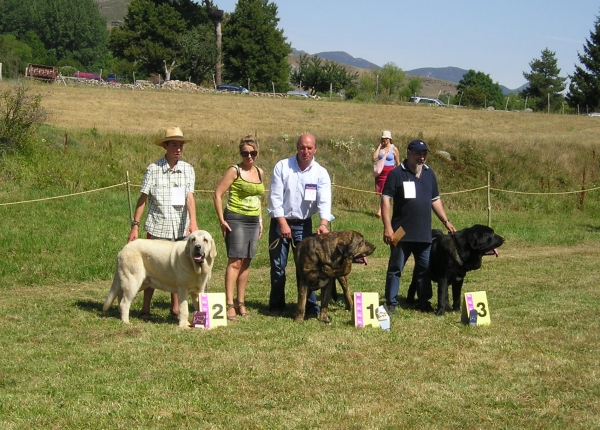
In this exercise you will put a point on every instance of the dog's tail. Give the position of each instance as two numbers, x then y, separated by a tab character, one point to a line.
113	292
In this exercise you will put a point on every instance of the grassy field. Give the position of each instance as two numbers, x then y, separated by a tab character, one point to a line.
65	364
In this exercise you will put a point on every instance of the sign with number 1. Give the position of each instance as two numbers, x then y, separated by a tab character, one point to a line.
365	307
214	306
477	301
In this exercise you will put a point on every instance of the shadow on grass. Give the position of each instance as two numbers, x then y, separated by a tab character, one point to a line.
162	316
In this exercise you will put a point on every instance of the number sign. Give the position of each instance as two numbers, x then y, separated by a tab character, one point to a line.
477	301
213	304
365	307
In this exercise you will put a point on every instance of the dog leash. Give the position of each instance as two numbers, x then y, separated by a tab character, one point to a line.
275	243
455	251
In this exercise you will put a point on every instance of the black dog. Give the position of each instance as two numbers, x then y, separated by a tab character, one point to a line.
452	256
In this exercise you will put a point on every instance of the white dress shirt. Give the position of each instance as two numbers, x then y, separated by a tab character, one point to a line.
292	193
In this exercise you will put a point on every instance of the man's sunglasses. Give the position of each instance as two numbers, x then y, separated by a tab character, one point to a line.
247	153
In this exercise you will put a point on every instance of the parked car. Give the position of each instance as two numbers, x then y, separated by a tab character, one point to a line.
113	78
594	114
232	88
299	94
427	100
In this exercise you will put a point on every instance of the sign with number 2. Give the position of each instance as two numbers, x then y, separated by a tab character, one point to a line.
214	306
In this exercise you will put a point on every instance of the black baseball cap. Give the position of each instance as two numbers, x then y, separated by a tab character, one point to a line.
417	145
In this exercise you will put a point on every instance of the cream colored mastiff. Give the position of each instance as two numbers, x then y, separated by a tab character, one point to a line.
177	267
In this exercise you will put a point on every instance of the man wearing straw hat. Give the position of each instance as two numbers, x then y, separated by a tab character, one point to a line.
168	187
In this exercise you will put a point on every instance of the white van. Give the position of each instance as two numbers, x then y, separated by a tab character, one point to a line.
426	100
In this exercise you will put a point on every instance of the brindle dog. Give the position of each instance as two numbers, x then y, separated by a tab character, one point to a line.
322	259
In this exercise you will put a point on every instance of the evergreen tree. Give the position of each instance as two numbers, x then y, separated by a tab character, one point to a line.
544	80
584	90
254	48
478	90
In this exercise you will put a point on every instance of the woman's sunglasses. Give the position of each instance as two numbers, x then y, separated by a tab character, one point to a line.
248	153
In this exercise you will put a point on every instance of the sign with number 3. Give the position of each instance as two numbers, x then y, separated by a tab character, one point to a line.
477	301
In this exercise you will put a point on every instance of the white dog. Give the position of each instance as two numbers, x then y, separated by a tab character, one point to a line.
177	267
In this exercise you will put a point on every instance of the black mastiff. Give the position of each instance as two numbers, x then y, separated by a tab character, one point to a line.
322	259
452	256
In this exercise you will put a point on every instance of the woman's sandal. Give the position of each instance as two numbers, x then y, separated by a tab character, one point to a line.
244	314
144	316
234	316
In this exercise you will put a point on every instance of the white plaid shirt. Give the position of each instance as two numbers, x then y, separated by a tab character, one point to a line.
164	220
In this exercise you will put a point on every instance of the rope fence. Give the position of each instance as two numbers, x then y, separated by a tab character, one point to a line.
488	187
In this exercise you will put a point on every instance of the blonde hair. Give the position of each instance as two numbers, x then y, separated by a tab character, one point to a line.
249	140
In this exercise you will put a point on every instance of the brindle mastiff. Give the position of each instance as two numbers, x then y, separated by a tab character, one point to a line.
322	259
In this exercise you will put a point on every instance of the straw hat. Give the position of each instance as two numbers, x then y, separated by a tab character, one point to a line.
386	135
172	134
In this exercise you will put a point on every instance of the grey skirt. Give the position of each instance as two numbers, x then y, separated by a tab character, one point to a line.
242	240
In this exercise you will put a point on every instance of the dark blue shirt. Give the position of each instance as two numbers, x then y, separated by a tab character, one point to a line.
414	215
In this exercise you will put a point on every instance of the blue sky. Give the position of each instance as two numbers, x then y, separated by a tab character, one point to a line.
499	38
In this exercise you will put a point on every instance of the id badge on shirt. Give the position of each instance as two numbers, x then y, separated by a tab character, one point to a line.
178	196
310	192
410	191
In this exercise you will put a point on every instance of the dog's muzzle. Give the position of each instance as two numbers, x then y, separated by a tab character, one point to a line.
198	255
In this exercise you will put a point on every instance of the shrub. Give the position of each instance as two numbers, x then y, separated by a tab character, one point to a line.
20	114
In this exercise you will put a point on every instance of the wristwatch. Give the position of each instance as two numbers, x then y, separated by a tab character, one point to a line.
135	223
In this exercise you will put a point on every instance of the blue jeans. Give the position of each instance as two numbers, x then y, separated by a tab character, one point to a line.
398	257
279	259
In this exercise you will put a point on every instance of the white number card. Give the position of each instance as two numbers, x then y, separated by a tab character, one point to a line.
178	196
409	190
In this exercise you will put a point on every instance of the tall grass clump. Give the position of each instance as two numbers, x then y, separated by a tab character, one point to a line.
20	114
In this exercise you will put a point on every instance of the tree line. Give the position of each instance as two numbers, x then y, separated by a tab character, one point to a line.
185	40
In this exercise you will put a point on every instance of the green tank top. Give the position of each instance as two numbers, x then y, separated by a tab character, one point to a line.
244	196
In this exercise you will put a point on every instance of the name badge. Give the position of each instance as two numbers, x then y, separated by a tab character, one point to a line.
178	196
310	192
410	191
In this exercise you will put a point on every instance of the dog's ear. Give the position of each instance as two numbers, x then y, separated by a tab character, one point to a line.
343	249
213	249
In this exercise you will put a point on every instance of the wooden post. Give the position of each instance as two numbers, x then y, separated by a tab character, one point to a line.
489	198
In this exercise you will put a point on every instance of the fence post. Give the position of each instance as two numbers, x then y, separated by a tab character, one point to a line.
489	202
129	198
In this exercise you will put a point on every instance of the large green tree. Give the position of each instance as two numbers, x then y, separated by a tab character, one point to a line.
199	54
149	36
156	35
544	82
478	90
584	89
254	48
68	29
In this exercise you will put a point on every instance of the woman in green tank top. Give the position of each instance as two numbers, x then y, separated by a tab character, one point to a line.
241	222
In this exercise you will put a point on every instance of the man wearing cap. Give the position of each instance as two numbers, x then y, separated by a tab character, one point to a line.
413	187
168	187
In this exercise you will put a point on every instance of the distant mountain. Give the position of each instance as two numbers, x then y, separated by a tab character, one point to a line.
452	74
345	58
